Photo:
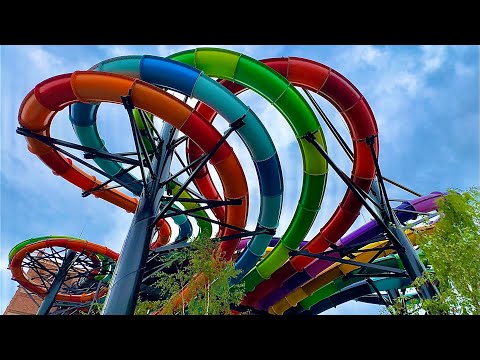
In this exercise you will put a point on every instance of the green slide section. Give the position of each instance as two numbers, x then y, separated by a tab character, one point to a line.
392	260
254	75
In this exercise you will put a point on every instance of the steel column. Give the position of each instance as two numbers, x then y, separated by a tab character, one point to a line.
62	272
125	284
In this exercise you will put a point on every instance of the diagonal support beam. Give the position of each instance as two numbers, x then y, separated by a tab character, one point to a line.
57	283
237	124
346	261
344	145
185	169
44	140
351	185
190	191
128	105
174	212
207	201
90	152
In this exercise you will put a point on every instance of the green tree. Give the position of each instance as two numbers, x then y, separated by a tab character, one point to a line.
453	251
213	298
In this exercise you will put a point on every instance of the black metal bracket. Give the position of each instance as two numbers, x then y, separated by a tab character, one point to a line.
89	152
177	142
101	187
185	169
139	144
352	186
344	145
346	261
258	231
233	127
350	249
379	294
173	212
207	201
47	141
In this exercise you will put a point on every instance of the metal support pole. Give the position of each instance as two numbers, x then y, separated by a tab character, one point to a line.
393	294
126	280
406	252
394	231
62	272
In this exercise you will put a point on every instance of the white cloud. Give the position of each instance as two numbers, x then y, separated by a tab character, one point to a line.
117	50
256	51
390	79
366	54
433	57
44	61
462	69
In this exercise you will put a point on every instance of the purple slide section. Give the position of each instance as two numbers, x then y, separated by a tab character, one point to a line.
362	234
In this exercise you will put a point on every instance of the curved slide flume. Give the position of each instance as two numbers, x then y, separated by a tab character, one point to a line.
366	232
361	123
102	258
337	270
193	83
341	291
248	72
356	290
52	95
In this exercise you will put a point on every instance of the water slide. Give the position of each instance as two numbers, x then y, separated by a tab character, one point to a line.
244	72
47	98
226	64
340	291
333	272
193	83
95	261
369	231
275	281
355	291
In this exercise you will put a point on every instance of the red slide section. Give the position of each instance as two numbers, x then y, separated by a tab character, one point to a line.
52	95
353	107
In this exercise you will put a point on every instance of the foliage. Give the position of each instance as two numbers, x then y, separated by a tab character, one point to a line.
213	298
453	250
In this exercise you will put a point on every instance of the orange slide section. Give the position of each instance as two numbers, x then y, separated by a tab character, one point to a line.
52	95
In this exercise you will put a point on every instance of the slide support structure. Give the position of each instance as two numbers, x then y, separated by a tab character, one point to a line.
60	276
410	259
125	284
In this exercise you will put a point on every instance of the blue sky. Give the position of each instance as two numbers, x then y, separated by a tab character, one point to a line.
425	100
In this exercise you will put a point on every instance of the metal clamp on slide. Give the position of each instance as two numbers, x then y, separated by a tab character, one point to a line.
237	124
265	230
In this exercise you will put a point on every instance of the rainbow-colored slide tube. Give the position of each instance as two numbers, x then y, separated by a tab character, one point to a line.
97	253
355	291
52	95
339	289
337	90
204	227
193	83
226	64
337	270
364	233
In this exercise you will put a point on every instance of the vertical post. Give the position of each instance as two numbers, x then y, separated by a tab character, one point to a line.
57	283
126	280
408	255
393	294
